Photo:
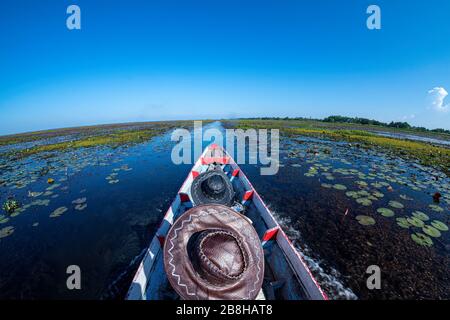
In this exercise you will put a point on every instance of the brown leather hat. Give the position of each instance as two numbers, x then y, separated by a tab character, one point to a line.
212	252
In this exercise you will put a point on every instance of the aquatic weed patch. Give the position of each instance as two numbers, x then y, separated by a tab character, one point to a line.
427	154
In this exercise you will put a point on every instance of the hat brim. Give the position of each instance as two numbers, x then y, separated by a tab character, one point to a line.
177	264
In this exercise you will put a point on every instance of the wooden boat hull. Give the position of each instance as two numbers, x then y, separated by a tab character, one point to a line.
286	275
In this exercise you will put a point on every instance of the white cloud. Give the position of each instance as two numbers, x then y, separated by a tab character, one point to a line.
436	97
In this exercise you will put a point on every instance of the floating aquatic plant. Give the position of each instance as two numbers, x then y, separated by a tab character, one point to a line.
431	231
385	212
34	194
58	212
16	212
378	194
396	204
35	224
80	207
40	202
405	197
364	201
53	186
3	219
6	231
376	185
439	225
402	222
326	185
113	181
361	183
339	187
415	222
435	208
79	200
363	193
352	194
11	205
422	239
420	215
365	220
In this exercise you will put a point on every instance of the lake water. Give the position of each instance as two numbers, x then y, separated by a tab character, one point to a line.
104	206
441	142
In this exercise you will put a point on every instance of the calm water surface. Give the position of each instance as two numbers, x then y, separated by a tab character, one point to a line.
109	203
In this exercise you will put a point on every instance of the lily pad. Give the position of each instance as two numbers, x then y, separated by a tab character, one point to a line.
365	220
79	200
361	183
439	225
364	201
420	215
376	185
6	231
363	193
431	231
58	212
80	207
403	222
377	194
385	212
415	222
396	204
422	239
34	194
352	194
435	208
405	197
326	185
339	187
35	224
3	219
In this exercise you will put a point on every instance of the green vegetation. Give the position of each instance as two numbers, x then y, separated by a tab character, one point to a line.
11	205
114	139
89	131
365	220
426	153
422	239
341	120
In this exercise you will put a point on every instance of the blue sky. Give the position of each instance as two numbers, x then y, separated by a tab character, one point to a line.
150	60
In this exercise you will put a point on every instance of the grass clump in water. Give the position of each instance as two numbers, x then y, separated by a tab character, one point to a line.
115	139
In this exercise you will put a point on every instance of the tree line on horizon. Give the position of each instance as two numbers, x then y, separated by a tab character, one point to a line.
357	120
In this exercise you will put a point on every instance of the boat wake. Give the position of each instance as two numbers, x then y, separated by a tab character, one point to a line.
329	281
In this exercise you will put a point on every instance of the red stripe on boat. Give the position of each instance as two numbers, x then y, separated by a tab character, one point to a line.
214	146
235	173
161	240
248	195
220	160
195	174
270	234
184	197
